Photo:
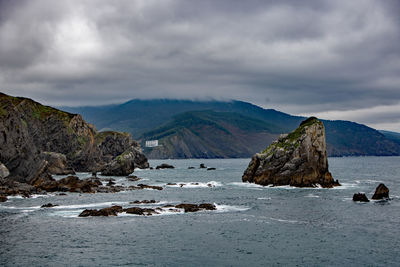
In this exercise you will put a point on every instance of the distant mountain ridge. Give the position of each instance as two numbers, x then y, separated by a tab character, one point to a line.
218	129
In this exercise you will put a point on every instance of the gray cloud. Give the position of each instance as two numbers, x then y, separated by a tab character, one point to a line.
303	56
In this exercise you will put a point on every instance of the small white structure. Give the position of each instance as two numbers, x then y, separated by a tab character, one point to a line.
152	143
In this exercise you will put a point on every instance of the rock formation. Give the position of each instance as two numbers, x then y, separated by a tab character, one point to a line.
3	171
296	159
381	192
37	140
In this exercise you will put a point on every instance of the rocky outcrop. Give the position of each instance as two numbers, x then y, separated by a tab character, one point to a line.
37	140
111	211
296	159
125	164
57	163
381	192
360	197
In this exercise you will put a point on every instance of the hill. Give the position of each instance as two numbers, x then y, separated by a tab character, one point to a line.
168	120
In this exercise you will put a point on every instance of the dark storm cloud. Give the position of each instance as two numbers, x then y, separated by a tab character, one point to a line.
321	57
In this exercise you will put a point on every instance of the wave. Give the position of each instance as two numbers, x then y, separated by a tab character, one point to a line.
230	208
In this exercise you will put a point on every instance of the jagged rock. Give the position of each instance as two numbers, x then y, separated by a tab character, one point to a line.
48	205
3	171
57	163
164	166
297	159
360	197
381	192
28	128
202	166
111	211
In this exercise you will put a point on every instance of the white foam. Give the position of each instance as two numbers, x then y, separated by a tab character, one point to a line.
311	195
196	184
283	220
247	185
346	186
230	208
266	198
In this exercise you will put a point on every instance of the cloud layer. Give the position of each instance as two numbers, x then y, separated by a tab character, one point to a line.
330	58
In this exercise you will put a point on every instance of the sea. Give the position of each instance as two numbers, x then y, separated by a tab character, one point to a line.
252	226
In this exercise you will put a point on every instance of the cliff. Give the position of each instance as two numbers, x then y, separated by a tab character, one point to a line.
31	134
296	159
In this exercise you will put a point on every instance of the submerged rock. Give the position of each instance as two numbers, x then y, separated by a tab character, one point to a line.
381	192
164	166
296	159
360	197
211	169
144	202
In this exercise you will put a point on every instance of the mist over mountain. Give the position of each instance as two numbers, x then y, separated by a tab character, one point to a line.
218	129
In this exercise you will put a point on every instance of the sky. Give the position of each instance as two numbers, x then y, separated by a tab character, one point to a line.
331	59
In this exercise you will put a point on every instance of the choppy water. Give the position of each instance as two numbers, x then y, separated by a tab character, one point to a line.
253	225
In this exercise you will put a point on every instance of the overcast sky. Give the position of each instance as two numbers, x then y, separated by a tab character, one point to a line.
332	59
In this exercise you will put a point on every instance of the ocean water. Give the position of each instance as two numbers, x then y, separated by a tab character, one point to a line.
252	226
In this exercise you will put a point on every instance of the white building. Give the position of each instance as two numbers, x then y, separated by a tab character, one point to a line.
152	143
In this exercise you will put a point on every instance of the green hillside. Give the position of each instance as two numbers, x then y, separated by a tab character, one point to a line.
186	128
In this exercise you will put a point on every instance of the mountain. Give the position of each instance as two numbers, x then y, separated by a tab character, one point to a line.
210	134
395	137
187	128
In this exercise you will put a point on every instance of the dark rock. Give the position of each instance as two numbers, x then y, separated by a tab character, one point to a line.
111	211
143	186
3	198
133	178
296	159
360	197
188	207
94	174
381	192
171	184
211	169
164	166
140	211
48	205
190	168
57	163
207	206
202	166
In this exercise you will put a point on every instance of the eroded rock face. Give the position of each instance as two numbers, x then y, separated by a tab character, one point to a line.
296	159
125	164
57	163
28	129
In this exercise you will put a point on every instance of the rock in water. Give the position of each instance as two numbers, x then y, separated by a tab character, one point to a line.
381	192
360	197
296	159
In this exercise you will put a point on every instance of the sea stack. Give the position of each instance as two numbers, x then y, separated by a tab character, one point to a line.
296	159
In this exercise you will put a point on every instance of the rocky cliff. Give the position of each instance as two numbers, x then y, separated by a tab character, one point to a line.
36	139
296	159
